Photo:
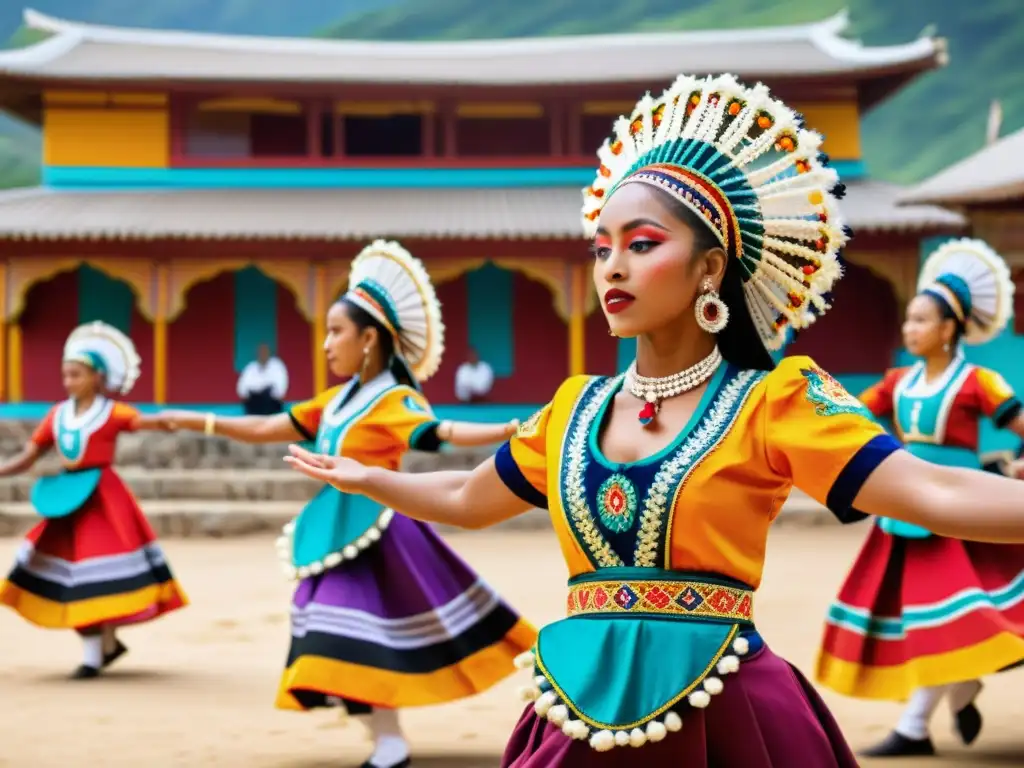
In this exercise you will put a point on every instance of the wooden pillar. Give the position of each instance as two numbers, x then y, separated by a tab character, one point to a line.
428	132
314	126
3	330
14	358
556	127
449	116
574	118
577	319
319	326
162	305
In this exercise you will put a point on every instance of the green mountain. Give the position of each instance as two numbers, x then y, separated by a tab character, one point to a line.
937	120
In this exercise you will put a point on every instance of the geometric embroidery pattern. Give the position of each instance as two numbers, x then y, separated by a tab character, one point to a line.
664	598
828	396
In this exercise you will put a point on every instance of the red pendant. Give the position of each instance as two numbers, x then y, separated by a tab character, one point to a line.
647	413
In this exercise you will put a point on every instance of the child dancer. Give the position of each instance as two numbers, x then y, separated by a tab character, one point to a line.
923	616
385	615
93	563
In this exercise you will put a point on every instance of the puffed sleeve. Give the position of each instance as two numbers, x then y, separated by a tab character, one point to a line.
997	398
821	437
407	418
522	460
878	398
306	415
126	417
42	437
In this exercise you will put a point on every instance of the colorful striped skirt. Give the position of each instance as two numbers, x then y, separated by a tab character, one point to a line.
768	716
100	565
923	612
407	623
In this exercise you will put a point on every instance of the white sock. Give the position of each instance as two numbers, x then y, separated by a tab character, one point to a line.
962	694
92	651
389	746
913	722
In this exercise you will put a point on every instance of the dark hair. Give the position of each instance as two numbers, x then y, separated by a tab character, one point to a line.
385	343
946	313
739	341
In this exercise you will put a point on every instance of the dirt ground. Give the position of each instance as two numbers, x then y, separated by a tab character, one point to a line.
198	686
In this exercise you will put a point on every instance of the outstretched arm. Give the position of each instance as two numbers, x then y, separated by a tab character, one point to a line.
959	503
278	428
474	499
469	434
22	461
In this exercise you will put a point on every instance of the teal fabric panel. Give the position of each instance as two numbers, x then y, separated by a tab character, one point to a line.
255	315
330	522
101	297
632	666
491	293
59	495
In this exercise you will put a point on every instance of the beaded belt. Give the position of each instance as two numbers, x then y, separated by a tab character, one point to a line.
688	598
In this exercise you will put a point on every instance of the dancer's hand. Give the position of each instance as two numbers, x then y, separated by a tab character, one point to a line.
344	474
1016	469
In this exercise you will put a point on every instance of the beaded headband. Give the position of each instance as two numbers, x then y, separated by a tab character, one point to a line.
742	161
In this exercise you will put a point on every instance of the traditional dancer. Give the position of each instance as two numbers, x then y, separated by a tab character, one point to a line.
714	226
93	563
385	615
923	616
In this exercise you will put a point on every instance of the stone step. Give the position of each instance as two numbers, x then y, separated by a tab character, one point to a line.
281	484
184	518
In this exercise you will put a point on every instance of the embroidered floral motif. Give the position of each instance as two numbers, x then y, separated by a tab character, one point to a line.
529	427
670	477
828	396
617	497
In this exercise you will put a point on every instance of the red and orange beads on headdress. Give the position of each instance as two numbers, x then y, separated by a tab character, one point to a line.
741	160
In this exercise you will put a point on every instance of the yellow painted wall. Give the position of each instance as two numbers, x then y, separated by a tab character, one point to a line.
109	130
839	123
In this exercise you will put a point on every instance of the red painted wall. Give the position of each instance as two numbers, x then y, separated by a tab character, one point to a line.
200	345
861	333
295	345
50	314
602	349
541	351
503	137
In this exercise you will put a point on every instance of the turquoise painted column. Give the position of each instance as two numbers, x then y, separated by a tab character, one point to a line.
489	316
627	351
255	315
101	297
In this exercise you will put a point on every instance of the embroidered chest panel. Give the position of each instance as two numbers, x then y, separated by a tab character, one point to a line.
921	410
71	432
621	514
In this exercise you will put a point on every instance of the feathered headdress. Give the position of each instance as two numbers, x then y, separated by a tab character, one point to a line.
975	283
392	286
742	161
106	350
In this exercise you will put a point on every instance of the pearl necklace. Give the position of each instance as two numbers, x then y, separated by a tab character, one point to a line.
653	390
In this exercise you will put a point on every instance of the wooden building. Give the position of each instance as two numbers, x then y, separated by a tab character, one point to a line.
205	193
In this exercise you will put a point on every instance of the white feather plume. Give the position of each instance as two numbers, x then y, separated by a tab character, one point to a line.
421	336
987	277
120	358
791	228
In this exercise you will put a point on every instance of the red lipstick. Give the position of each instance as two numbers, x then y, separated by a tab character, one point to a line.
616	300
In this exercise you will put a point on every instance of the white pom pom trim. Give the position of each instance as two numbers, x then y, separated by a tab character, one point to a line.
547	704
286	541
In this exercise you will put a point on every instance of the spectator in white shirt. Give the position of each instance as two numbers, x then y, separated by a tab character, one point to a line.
473	379
263	384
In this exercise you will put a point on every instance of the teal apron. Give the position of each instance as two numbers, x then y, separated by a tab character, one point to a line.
56	496
336	526
922	417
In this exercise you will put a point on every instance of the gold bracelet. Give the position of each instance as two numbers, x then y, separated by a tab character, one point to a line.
210	428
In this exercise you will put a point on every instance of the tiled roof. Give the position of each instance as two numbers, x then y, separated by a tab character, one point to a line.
359	214
84	51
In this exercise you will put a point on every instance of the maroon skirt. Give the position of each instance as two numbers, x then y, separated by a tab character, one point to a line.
767	716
